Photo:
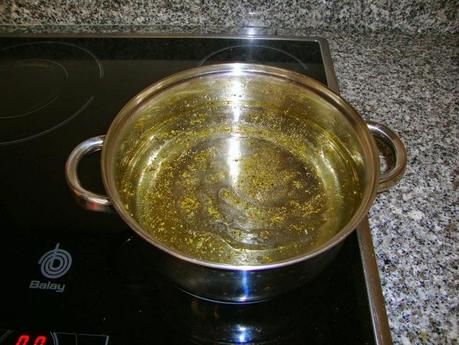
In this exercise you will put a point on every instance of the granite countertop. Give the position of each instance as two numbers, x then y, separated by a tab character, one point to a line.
408	82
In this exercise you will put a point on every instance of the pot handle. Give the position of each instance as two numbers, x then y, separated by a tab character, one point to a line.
390	177
88	200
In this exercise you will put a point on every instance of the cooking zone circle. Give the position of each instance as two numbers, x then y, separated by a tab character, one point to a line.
38	83
255	54
29	72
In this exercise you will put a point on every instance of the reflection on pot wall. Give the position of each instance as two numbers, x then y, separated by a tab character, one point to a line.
374	15
306	314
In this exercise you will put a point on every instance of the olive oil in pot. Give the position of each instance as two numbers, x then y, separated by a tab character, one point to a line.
239	184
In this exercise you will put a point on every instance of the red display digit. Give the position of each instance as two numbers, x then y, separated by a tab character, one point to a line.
40	340
23	340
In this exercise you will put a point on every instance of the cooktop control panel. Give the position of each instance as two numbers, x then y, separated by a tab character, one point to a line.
20	337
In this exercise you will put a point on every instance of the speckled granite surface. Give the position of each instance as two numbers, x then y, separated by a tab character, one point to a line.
409	82
373	15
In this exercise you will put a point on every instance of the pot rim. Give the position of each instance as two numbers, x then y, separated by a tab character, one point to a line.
234	69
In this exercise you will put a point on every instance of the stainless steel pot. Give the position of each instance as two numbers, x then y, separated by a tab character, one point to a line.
243	179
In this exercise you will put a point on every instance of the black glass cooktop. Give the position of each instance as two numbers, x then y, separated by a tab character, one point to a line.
70	276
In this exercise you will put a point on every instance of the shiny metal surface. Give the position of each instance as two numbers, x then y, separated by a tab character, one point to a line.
226	100
87	199
376	299
237	286
389	178
218	99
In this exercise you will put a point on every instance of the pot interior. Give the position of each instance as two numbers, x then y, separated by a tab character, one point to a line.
238	168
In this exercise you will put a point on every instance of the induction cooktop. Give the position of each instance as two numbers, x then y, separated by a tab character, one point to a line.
70	276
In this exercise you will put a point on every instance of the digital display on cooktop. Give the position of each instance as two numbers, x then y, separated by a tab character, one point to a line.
71	276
